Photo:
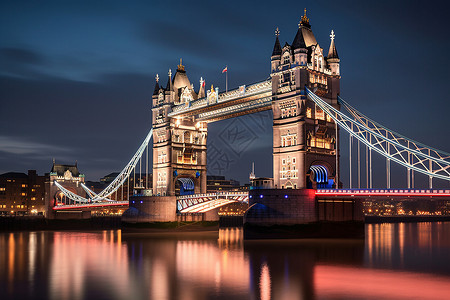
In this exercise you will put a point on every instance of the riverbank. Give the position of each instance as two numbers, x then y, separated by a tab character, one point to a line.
405	219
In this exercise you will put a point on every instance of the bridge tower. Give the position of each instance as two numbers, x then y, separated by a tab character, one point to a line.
305	140
69	177
179	144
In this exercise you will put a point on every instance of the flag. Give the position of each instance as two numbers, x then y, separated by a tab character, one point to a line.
225	70
203	84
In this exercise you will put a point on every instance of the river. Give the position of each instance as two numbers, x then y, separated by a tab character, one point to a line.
395	261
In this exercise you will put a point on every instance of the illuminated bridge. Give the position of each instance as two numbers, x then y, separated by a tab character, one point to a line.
303	92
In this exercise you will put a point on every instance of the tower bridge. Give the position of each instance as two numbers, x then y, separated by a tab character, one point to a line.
303	92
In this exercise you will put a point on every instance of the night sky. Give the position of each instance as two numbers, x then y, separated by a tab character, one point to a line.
76	77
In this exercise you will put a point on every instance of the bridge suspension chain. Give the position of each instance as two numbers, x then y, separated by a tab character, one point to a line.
412	155
115	184
392	135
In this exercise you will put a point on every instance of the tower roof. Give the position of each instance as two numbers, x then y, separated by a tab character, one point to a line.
304	32
332	53
277	46
61	169
299	41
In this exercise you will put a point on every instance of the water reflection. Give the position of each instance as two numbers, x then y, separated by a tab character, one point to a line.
421	247
396	261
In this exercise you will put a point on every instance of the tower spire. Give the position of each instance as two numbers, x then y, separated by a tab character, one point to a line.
156	91
304	21
277	46
169	86
180	66
332	52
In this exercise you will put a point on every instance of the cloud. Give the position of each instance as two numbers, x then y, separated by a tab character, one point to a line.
16	145
21	56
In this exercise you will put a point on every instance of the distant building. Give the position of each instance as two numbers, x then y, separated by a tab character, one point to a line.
219	183
261	183
110	177
22	194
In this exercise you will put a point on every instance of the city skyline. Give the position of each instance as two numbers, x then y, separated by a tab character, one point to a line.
77	79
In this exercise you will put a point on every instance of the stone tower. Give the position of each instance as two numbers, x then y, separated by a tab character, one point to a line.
179	144
70	178
305	139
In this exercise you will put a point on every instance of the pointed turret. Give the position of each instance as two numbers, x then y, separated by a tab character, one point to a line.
156	91
332	53
276	53
169	86
277	46
201	91
299	40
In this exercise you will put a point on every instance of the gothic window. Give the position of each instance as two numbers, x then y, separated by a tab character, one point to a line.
289	139
162	157
309	112
187	137
160	98
286	58
161	182
328	118
324	143
319	114
186	95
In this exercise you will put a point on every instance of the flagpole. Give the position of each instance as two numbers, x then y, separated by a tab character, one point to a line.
226	80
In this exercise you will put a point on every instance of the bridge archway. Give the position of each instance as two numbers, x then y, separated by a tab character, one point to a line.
320	175
184	186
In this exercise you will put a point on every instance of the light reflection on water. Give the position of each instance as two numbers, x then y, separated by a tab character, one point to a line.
396	261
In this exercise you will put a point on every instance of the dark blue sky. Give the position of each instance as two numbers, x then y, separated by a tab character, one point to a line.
76	77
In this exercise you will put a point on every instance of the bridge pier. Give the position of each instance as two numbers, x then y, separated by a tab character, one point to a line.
275	213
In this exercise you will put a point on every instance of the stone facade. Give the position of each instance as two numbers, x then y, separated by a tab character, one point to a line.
70	178
179	145
303	136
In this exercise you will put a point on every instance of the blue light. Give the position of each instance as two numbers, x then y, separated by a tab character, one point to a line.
141	201
133	201
260	196
250	196
286	196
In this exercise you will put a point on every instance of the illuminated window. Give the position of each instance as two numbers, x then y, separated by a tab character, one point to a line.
24	194
289	139
324	143
319	114
328	118
2	189
162	158
308	112
33	198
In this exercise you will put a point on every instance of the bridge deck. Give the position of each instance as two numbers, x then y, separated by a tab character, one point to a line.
383	192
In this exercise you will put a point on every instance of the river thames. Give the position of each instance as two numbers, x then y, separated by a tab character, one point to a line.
395	261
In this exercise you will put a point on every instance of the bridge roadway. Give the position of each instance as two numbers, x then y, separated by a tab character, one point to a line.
199	203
